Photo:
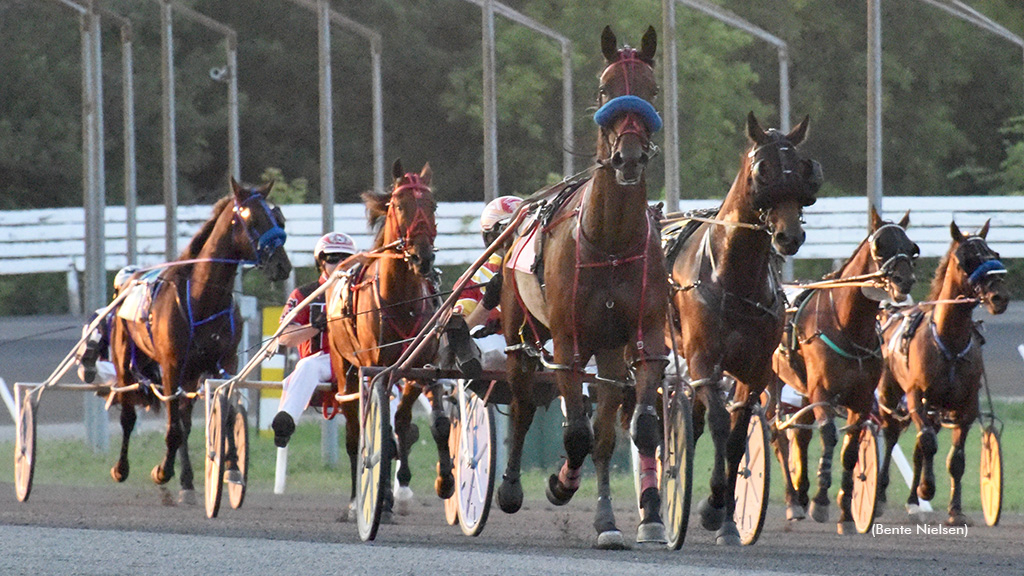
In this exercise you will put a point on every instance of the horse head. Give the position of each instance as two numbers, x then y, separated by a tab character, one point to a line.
782	182
626	115
260	235
893	254
408	212
980	267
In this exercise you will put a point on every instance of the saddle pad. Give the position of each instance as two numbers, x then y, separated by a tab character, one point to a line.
135	306
524	252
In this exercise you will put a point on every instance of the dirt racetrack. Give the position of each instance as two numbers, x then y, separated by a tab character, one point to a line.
559	538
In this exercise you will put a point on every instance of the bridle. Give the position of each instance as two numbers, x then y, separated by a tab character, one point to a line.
422	224
767	196
263	244
638	115
887	266
988	266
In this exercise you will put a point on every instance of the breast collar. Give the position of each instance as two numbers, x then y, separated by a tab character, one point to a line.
705	254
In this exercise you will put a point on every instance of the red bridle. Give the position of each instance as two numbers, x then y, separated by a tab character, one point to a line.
422	223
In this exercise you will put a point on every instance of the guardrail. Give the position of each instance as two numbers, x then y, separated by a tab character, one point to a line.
52	240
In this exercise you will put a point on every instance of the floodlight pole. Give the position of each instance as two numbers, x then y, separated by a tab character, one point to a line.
672	86
874	108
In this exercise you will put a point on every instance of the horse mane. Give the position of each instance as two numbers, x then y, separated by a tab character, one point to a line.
940	275
197	242
838	272
376	211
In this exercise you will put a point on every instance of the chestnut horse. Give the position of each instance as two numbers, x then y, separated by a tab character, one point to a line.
193	327
831	354
938	367
603	295
729	303
385	304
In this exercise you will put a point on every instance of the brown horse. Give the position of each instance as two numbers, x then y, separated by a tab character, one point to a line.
729	303
385	304
938	367
603	294
193	327
831	354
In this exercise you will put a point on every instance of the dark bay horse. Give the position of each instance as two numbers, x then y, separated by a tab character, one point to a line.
193	327
384	305
831	354
933	359
603	294
728	299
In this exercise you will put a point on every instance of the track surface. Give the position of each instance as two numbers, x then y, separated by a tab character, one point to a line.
126	530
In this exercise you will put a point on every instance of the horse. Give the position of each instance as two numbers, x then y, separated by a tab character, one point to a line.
386	302
831	354
728	298
604	295
192	326
938	368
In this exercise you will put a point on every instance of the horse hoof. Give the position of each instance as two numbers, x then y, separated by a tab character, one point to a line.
926	491
611	540
349	514
119	473
916	514
728	535
557	494
159	477
846	528
444	485
959	519
510	496
188	498
794	512
387	517
651	533
880	506
403	500
710	517
819	511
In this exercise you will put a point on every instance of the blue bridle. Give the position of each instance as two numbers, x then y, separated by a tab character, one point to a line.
266	243
986	268
606	114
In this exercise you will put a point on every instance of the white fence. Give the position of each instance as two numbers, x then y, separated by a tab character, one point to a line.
52	240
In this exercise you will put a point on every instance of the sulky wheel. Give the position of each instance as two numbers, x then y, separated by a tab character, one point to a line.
991	475
752	481
475	462
216	446
451	504
373	464
865	480
25	448
677	470
237	476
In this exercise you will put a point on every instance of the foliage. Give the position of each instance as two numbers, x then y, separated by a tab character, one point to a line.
284	192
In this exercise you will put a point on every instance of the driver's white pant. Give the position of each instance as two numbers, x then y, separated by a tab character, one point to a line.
298	387
492	351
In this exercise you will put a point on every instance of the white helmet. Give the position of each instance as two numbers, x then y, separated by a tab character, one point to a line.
123	275
498	211
335	243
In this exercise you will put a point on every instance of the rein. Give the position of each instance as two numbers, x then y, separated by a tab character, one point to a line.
684	216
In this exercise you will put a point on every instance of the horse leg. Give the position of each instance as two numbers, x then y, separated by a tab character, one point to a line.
407	434
128	417
712	508
890	434
351	412
646	431
440	427
609	398
164	471
791	451
735	448
848	457
521	411
819	505
577	436
955	464
188	490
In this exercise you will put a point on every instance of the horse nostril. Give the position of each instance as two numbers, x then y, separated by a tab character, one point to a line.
781	238
617	160
644	159
803	236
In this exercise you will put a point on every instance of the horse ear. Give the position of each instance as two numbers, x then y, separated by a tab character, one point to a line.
955	233
426	174
235	186
754	130
983	231
609	45
396	169
905	221
266	189
876	220
797	134
649	45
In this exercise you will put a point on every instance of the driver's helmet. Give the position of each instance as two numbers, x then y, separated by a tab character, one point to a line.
123	275
334	243
498	212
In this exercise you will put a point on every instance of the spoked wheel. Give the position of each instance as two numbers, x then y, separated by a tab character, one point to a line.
238	466
752	481
475	462
373	462
991	475
865	481
216	446
25	449
451	504
677	470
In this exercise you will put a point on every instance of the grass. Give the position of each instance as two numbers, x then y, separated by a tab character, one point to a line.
72	462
